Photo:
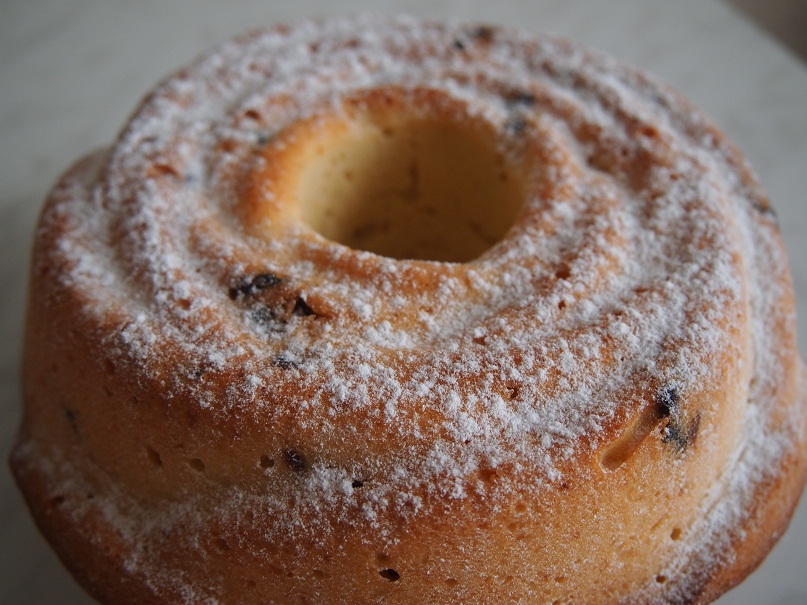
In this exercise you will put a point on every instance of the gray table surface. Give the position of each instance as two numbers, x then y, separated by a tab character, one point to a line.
72	70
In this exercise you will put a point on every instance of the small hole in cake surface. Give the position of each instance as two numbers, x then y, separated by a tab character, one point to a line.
487	474
425	187
675	534
266	462
253	114
563	273
295	460
154	457
390	574
72	420
511	392
197	464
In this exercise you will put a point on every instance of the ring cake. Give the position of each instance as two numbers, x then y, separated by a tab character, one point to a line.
373	310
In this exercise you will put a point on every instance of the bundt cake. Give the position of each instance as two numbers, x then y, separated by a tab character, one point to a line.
376	310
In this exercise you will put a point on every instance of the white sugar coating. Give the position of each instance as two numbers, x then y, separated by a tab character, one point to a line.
506	360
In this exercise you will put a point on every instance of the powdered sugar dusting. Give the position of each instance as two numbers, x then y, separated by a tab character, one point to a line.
615	280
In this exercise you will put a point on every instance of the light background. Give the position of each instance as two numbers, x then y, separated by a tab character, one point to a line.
72	70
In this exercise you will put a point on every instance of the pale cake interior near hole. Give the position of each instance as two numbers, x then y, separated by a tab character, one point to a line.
413	189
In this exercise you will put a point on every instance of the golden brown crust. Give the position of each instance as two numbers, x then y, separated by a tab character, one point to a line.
775	499
243	384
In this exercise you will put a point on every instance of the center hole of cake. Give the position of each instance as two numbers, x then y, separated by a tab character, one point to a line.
416	188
